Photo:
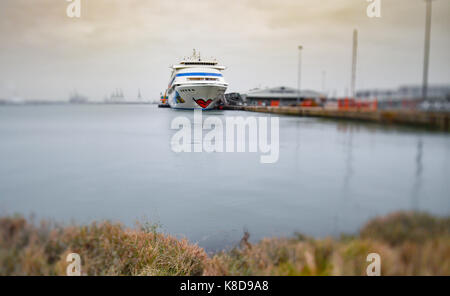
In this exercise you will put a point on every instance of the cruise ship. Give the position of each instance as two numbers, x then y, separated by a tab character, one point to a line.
196	84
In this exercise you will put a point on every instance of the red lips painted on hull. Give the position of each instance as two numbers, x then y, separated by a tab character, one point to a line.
202	103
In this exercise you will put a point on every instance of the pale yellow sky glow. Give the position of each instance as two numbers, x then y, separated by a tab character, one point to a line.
129	44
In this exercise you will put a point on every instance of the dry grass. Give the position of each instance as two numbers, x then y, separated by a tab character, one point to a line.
409	244
105	249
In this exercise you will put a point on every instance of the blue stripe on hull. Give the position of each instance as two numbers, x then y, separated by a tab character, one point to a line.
199	74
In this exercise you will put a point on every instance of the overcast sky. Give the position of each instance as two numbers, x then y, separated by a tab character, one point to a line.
130	44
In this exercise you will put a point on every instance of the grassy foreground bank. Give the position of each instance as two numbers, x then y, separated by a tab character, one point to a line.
408	244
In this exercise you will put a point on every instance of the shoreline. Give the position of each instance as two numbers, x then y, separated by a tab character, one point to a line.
433	120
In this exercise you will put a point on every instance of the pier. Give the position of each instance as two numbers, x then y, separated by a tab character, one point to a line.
432	120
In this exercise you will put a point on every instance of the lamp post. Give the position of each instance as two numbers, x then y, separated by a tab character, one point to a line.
299	73
354	62
426	58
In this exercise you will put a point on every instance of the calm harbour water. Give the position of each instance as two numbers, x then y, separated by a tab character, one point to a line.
95	162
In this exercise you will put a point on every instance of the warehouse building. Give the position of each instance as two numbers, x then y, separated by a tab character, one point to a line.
408	92
278	96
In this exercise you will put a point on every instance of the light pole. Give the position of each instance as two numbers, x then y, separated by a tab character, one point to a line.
354	61
426	58
299	73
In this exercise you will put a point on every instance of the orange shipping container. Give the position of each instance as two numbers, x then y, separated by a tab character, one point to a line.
275	103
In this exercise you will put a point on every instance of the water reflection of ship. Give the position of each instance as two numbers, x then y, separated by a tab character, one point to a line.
76	98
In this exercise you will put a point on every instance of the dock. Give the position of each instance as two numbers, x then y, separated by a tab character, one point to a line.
433	120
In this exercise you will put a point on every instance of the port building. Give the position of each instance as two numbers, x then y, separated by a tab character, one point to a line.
407	92
278	96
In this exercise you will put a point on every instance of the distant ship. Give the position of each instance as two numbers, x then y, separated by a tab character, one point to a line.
196	84
76	98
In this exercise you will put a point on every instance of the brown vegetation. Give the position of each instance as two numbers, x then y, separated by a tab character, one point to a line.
105	249
408	243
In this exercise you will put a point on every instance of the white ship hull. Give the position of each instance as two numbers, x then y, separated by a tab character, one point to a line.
196	84
196	96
